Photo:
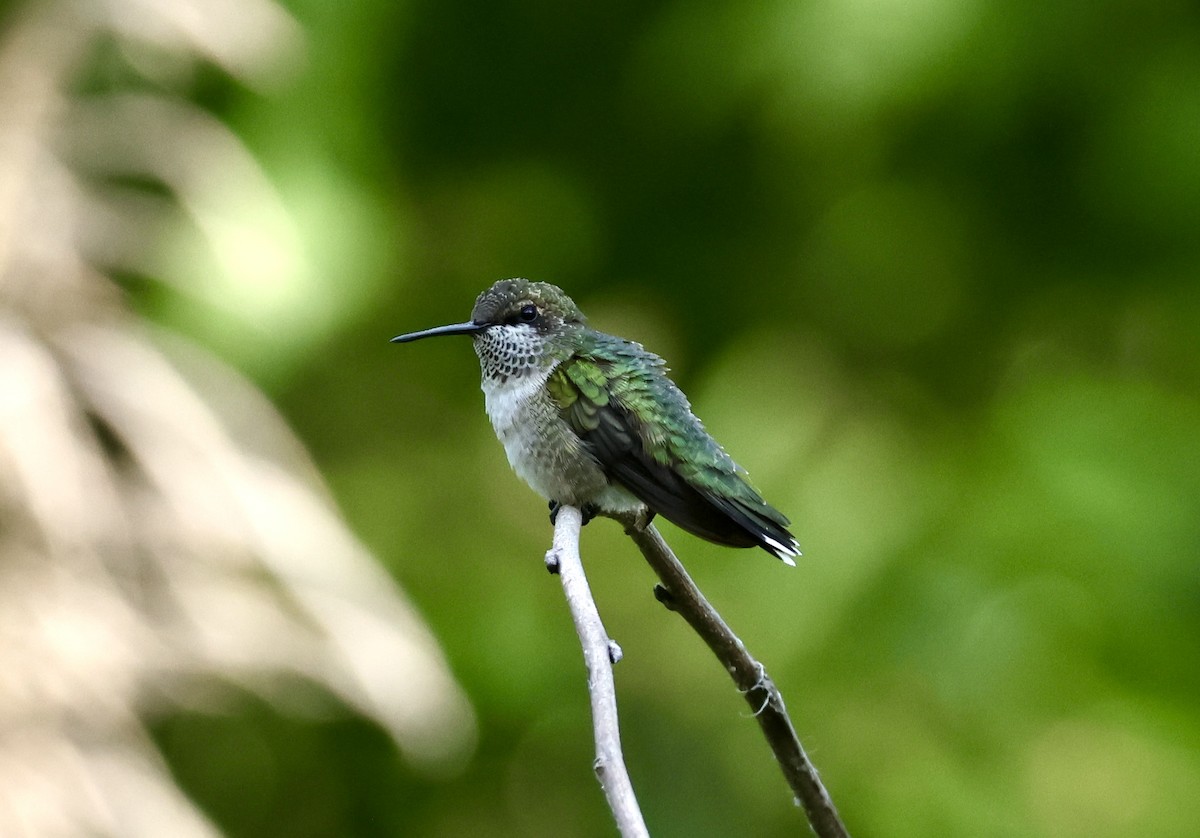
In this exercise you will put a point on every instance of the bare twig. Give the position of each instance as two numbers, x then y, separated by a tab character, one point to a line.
599	654
680	593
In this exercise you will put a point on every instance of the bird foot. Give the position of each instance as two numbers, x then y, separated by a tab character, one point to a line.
588	511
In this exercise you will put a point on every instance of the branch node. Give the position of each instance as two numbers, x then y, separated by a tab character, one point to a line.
663	595
633	522
687	600
614	652
766	701
553	563
762	683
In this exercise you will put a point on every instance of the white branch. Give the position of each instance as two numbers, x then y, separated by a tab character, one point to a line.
599	654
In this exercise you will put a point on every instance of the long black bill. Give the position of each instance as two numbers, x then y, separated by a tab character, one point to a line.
454	329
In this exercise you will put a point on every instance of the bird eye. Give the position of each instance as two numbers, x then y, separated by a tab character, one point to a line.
529	313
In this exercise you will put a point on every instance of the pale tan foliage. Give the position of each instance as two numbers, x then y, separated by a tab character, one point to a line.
161	531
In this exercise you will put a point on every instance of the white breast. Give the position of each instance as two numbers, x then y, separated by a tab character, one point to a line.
540	447
507	402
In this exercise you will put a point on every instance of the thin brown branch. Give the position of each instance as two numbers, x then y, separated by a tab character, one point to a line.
680	594
599	655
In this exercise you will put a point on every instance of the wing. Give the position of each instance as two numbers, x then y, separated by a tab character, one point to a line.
641	429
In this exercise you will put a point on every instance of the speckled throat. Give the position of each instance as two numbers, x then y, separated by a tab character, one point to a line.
541	447
508	352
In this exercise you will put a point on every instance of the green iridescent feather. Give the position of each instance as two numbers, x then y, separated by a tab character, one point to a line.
640	428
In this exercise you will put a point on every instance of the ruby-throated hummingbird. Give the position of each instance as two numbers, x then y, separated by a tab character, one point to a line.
592	421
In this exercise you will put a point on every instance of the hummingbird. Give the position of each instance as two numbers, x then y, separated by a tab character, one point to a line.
591	420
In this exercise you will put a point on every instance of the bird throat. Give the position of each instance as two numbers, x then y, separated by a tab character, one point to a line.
511	352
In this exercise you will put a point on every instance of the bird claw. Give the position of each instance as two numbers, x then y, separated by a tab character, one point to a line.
588	511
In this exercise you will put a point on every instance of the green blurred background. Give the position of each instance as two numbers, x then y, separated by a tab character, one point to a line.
927	269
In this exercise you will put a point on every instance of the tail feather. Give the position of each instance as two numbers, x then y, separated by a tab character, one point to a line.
767	533
721	520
